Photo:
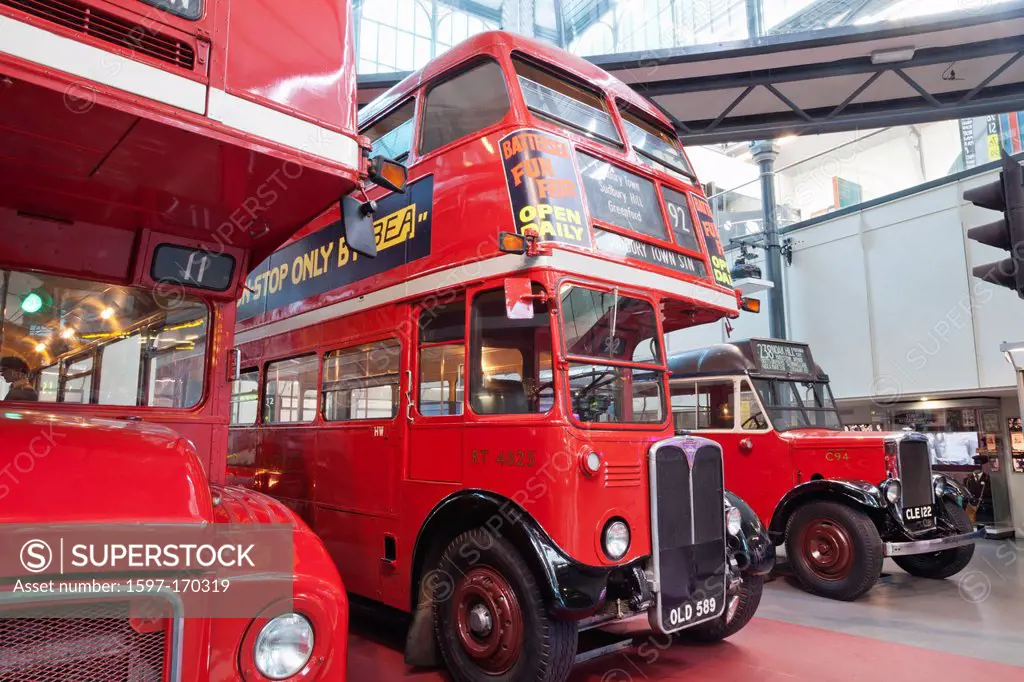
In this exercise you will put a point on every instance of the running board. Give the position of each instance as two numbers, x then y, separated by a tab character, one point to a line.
591	654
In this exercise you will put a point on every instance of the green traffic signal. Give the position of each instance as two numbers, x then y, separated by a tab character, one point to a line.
32	303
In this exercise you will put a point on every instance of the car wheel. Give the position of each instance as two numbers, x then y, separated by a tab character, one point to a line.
834	549
493	624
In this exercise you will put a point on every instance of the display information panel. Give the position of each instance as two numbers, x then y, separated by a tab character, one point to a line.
543	187
719	266
783	358
682	223
621	245
621	198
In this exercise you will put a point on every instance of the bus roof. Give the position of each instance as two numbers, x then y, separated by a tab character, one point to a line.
754	357
499	43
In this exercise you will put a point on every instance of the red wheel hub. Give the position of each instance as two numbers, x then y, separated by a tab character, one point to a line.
827	549
488	619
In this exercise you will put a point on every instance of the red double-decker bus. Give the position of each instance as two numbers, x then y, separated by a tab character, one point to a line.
475	422
154	151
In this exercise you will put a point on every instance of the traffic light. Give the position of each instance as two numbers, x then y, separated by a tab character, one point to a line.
1007	196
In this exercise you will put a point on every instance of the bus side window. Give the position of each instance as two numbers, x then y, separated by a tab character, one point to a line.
362	382
245	391
464	104
391	136
442	359
684	405
715	405
291	391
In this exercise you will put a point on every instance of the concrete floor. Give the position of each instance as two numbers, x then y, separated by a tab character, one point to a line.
966	629
977	613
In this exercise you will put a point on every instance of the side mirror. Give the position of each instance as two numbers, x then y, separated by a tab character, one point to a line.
388	174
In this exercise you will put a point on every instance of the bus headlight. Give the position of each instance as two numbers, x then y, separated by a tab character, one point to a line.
733	521
284	646
615	539
939	484
891	490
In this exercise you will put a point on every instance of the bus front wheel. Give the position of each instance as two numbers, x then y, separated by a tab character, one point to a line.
835	550
490	617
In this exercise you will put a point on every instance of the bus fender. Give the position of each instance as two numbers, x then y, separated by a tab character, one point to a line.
573	590
859	494
952	491
753	539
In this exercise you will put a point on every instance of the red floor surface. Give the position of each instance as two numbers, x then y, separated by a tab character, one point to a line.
766	651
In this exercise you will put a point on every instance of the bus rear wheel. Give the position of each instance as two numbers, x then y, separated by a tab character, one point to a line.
491	622
835	550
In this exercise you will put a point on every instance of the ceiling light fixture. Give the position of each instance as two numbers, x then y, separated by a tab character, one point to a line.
895	56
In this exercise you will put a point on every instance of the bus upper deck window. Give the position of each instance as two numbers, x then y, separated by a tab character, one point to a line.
656	146
464	104
555	98
391	136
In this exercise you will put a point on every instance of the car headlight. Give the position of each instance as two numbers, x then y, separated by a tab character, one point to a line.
733	521
892	489
939	485
615	539
284	646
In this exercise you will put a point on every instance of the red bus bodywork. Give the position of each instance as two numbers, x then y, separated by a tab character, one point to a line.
127	128
387	494
120	113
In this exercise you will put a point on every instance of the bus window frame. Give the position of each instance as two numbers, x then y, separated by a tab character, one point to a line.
335	423
416	103
414	390
264	367
214	321
561	367
247	369
553	321
531	118
422	93
624	107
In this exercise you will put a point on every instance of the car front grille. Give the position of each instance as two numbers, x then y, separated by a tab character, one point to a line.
915	469
688	503
93	642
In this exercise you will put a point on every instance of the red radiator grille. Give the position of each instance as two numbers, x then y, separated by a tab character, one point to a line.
85	644
110	28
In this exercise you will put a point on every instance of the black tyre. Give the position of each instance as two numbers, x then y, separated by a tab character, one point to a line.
834	550
723	627
939	565
490	618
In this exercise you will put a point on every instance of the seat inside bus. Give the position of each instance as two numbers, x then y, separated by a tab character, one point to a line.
501	396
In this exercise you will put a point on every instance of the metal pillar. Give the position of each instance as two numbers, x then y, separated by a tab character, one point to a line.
765	153
755	19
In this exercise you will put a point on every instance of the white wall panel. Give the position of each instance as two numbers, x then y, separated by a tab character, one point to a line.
923	333
828	303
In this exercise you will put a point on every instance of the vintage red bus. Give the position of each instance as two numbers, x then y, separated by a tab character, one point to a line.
475	422
841	501
147	168
180	111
